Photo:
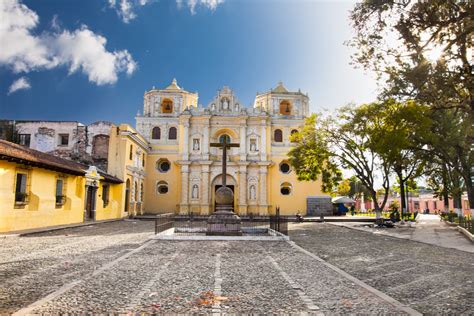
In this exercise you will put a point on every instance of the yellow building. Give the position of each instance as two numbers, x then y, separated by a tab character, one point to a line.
183	171
41	190
166	165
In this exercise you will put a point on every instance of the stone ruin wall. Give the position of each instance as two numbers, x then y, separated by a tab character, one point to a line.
87	144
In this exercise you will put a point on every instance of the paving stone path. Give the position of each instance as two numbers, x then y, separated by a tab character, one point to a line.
116	267
428	278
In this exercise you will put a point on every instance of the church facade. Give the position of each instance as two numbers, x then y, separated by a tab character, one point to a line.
183	170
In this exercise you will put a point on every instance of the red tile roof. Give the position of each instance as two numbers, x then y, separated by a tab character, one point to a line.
20	154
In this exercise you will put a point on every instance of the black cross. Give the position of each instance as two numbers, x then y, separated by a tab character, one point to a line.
224	145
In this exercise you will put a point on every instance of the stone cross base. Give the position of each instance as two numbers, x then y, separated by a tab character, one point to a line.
224	222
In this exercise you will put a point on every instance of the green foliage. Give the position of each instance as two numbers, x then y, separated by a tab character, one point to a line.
312	159
398	39
344	187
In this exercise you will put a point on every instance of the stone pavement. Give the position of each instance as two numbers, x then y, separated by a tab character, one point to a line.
429	278
117	268
428	229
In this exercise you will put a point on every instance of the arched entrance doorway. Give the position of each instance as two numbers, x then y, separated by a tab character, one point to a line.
217	183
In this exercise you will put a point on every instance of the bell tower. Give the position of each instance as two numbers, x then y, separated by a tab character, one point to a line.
280	102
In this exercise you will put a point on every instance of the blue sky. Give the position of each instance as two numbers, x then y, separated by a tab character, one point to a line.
89	60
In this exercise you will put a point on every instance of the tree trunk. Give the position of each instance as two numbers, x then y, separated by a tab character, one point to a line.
470	197
403	206
457	202
446	201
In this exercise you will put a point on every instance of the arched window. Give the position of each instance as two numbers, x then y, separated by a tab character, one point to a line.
131	152
294	131
224	137
162	187
278	136
167	106
136	192
285	188
285	107
173	133
156	133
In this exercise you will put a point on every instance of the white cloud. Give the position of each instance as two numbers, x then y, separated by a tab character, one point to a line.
126	8
84	50
192	4
20	49
20	84
80	50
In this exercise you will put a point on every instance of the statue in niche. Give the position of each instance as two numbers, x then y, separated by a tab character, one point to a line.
252	192
236	108
253	145
213	107
196	144
195	192
225	104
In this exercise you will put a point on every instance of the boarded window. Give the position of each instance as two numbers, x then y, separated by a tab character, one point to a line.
105	194
59	191
20	188
131	152
63	139
156	133
278	136
24	139
173	133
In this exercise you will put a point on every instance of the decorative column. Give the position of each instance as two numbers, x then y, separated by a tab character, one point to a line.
263	209
205	190
243	190
243	140
263	138
186	139
184	206
205	141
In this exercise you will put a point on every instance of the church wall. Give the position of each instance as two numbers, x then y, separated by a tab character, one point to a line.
300	190
156	203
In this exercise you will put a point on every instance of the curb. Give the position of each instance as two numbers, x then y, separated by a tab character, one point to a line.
466	233
22	233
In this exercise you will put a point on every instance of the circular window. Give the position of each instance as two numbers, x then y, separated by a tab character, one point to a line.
285	167
285	189
163	165
162	187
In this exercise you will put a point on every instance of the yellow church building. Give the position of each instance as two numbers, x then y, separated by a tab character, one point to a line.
66	172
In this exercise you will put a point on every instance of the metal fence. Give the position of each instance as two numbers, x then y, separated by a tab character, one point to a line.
163	222
467	223
197	224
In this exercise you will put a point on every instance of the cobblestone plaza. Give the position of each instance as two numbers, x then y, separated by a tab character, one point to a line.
117	268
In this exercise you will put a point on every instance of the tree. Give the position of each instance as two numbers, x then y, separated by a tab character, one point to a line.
343	141
311	159
344	187
420	51
395	134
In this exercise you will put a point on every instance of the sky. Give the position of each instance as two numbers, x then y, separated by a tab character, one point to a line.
91	60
